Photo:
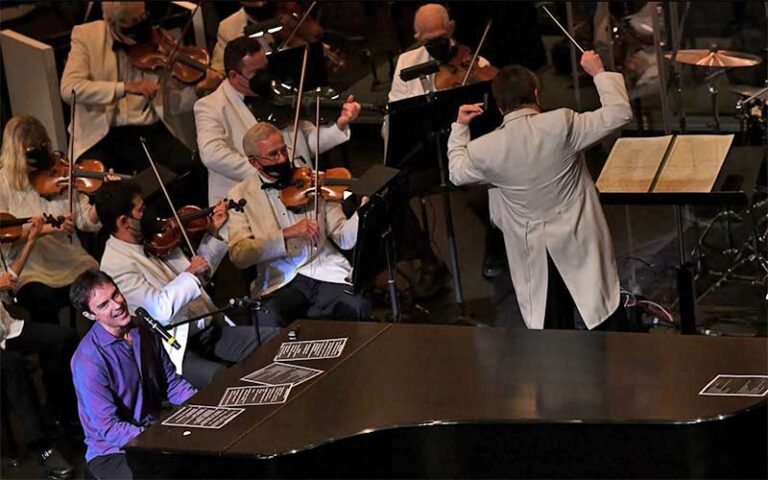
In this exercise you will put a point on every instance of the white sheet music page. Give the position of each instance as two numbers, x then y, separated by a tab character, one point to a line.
693	163
632	164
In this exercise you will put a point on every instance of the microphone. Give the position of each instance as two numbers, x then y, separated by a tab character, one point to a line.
155	325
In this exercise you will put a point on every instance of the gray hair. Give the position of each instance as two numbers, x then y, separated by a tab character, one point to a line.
257	133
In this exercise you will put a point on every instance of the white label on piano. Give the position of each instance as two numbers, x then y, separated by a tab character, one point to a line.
259	395
280	374
310	349
202	416
737	386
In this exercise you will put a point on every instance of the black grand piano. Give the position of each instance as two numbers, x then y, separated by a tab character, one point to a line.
440	401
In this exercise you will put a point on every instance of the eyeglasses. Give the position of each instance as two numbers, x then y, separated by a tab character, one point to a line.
275	156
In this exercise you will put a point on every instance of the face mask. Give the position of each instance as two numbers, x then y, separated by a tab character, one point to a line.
264	12
281	171
440	49
139	33
39	157
261	83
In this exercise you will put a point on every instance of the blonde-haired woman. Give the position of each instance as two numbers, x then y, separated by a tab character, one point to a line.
58	258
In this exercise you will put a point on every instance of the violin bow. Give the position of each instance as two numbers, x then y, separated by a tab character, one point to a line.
317	159
165	193
298	103
71	183
477	52
298	25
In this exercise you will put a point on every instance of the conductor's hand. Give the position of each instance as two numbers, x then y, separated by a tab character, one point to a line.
468	112
146	88
349	112
591	63
308	229
198	266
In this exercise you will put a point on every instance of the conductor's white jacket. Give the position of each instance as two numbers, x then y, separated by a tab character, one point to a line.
546	201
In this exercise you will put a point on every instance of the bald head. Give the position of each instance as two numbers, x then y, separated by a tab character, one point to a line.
432	21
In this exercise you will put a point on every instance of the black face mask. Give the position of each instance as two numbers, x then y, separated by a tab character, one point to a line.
139	33
265	12
39	157
261	83
281	171
440	49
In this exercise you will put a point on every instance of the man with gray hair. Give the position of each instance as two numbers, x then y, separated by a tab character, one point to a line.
300	273
120	103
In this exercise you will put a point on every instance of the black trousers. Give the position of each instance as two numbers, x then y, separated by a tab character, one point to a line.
216	348
305	297
111	467
43	302
54	345
561	312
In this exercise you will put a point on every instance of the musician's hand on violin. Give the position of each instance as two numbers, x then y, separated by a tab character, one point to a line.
67	226
112	176
592	63
349	112
7	281
308	229
146	88
36	225
218	218
468	112
198	266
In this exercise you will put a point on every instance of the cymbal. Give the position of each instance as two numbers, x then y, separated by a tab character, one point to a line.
748	91
703	57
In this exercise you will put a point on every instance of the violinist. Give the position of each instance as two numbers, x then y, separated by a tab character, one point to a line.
58	256
300	273
54	345
434	29
223	117
171	289
120	103
233	26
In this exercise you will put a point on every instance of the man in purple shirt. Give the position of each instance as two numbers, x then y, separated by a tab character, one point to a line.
121	373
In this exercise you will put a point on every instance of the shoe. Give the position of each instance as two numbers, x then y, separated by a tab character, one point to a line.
54	465
432	277
493	266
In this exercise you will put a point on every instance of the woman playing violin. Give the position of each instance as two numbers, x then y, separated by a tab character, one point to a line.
56	260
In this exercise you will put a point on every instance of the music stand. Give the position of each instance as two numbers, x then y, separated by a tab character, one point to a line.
418	133
285	66
382	185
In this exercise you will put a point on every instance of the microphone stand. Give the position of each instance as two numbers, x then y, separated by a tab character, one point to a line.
253	304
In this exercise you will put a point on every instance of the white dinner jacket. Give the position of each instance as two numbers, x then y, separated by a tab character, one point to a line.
91	72
546	201
222	118
142	281
229	29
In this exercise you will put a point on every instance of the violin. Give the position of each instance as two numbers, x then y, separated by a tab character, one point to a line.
189	64
89	176
452	73
166	235
11	227
333	183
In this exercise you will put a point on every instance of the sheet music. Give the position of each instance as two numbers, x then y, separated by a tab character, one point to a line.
693	163
632	164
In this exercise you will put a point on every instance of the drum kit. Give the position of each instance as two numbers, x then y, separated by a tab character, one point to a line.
752	105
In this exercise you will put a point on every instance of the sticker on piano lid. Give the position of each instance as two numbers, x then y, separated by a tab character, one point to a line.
737	386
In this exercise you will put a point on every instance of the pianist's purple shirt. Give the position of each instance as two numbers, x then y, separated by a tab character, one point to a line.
114	403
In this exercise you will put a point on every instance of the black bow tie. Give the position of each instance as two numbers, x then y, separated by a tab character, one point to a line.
119	46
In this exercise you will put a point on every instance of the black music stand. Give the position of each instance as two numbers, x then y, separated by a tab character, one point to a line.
285	66
418	134
383	186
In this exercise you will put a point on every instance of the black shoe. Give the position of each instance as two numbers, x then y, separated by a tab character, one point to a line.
54	465
493	266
